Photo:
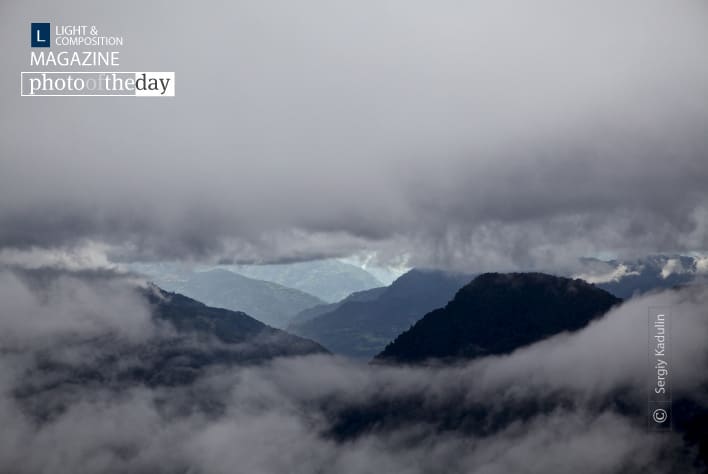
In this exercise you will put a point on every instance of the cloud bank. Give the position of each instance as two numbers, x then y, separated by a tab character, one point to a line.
560	405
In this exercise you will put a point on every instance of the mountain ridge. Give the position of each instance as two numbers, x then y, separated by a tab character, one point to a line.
265	301
329	280
497	313
363	328
189	339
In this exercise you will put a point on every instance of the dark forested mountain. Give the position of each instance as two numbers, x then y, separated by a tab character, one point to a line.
361	328
497	313
268	302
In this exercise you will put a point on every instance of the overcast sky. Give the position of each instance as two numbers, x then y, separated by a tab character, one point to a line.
484	135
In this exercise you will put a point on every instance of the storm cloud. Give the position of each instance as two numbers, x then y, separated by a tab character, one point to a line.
488	134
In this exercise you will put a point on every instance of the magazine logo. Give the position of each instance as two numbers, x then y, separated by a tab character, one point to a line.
85	61
40	35
122	84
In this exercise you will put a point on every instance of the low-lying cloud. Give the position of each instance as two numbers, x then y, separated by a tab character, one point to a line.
555	406
40	307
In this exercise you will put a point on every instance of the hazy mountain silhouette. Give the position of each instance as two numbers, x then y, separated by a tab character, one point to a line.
329	280
268	302
359	328
360	296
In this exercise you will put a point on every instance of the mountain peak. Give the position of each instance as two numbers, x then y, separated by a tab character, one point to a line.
497	313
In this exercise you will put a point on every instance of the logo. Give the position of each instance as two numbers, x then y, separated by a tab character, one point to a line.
74	72
40	35
659	416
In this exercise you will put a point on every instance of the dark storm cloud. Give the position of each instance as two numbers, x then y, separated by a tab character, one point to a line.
275	417
485	134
